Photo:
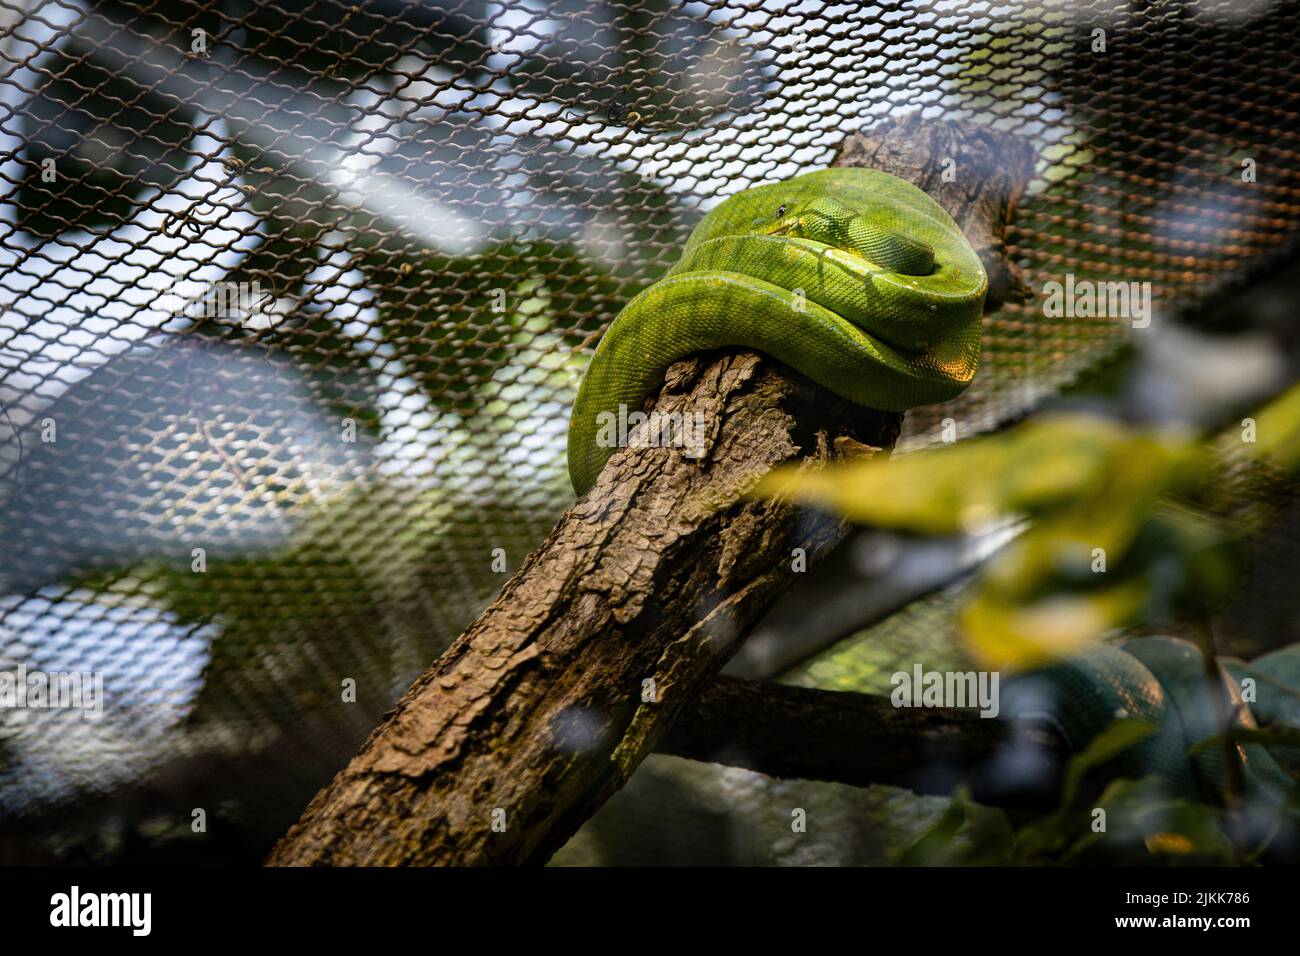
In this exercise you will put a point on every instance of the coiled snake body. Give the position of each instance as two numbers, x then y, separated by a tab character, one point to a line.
853	277
1162	681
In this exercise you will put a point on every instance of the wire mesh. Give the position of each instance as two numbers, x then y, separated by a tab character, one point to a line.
296	297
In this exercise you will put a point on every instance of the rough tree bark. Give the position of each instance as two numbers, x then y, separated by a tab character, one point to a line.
550	700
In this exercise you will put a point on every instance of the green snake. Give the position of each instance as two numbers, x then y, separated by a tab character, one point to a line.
1162	681
853	277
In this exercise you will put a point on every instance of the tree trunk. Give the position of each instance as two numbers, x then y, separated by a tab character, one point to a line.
549	701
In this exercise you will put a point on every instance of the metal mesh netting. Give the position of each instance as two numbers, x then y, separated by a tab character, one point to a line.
296	297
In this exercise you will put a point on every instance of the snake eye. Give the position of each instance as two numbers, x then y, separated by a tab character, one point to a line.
780	211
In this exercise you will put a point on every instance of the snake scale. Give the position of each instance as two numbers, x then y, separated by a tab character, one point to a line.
864	284
1162	681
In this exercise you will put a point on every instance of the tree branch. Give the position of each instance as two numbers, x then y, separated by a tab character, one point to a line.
547	703
535	714
859	739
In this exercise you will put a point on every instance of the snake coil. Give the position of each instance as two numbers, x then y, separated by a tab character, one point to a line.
853	277
1162	680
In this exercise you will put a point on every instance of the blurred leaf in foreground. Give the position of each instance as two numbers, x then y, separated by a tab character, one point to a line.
1277	430
1111	742
1041	465
1058	586
965	835
1105	549
1144	826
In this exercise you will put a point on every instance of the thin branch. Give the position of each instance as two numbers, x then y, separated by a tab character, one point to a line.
861	739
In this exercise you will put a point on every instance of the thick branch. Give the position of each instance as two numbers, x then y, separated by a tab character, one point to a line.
536	713
860	739
546	705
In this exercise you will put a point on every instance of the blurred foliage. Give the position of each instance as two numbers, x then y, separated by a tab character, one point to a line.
1094	494
1143	825
1036	469
1278	431
1163	563
1113	536
1109	744
1131	823
1077	483
933	847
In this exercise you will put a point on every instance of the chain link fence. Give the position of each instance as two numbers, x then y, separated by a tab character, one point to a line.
295	297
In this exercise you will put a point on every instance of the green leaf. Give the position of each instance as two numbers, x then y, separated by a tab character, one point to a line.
1277	430
1000	633
1041	466
934	846
1146	826
1110	743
